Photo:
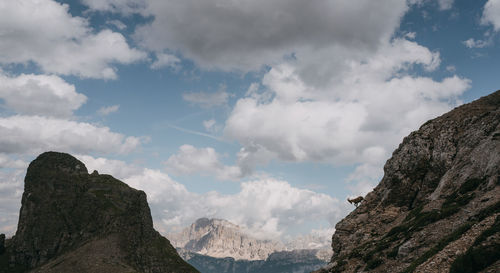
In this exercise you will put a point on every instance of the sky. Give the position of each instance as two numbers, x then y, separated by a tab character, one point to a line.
266	113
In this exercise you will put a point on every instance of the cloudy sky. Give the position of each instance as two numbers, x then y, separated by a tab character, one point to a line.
265	113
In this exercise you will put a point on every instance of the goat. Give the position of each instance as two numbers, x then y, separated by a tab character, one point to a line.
356	200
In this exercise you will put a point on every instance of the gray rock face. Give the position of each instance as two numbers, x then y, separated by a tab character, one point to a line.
220	238
440	192
219	246
66	213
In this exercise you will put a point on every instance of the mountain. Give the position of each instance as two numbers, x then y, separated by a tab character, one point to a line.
219	246
71	221
220	238
437	208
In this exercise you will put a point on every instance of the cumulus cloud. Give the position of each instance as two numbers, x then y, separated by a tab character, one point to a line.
34	134
244	35
362	113
47	95
445	4
340	83
472	43
45	33
10	163
165	60
205	161
491	14
116	6
209	124
119	169
104	111
117	23
207	100
267	208
11	190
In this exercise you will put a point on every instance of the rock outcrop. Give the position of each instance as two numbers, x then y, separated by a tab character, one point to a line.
220	239
71	221
437	208
219	246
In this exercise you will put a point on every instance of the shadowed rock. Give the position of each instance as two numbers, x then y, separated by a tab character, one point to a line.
71	221
437	207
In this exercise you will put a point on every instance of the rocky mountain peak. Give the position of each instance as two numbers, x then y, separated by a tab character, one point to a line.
71	221
437	208
221	238
210	224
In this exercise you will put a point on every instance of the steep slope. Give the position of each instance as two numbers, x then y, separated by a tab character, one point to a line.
437	206
220	238
71	221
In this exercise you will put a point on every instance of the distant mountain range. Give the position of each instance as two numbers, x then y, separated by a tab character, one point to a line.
216	245
220	239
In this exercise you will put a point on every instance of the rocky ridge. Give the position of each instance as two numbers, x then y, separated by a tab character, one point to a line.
220	238
72	221
219	246
437	208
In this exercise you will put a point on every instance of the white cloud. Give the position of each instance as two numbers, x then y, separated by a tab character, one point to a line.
165	60
445	4
267	207
317	239
45	33
472	43
207	100
11	190
244	35
451	68
119	169
331	93
270	206
116	6
491	14
209	125
205	161
104	111
370	106
411	35
117	23
36	134
47	95
7	162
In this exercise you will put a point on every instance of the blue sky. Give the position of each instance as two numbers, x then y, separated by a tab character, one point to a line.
265	113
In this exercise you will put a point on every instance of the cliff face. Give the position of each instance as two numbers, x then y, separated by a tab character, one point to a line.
71	221
437	206
220	238
219	246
